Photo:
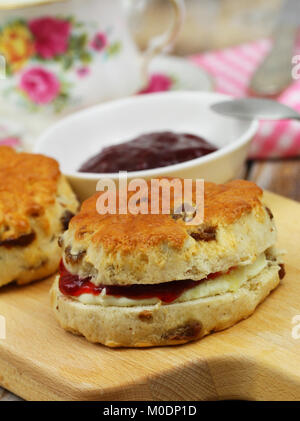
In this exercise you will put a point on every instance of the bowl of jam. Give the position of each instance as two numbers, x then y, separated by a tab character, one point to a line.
173	134
148	151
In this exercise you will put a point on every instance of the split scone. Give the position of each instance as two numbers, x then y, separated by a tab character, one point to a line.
148	280
36	204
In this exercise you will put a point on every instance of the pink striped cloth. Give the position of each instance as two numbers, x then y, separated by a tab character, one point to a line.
232	69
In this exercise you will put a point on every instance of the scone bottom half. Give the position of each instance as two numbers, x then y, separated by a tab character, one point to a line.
152	280
36	205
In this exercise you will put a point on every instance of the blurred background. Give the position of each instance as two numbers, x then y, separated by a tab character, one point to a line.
233	28
210	24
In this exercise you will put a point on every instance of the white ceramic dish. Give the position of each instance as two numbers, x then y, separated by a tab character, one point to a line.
78	137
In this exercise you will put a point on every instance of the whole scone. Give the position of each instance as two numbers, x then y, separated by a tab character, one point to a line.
147	280
36	204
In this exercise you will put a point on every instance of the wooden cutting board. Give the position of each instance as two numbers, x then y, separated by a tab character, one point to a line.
256	359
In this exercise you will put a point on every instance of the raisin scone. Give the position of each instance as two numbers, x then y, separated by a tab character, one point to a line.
36	204
148	280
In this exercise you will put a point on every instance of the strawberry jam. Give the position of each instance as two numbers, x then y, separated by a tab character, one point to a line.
150	150
167	292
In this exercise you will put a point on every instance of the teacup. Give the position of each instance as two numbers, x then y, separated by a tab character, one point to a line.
61	56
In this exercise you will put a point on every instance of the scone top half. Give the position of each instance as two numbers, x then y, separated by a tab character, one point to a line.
154	249
36	204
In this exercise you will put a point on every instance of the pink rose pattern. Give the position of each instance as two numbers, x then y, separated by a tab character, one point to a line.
40	85
99	41
158	82
83	71
54	41
51	36
12	141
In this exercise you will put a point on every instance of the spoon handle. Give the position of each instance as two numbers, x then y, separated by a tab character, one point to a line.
275	72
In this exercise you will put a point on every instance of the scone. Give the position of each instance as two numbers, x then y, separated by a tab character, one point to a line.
36	204
149	280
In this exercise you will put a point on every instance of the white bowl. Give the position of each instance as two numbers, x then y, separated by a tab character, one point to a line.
78	137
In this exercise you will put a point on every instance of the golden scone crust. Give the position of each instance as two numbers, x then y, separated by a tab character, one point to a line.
35	204
151	249
157	325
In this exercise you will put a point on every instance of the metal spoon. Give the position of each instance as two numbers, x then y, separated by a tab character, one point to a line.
255	108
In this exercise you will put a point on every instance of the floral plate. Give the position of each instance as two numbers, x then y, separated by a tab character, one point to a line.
166	73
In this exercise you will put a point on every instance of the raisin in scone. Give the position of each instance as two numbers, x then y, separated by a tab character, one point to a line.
148	280
36	204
